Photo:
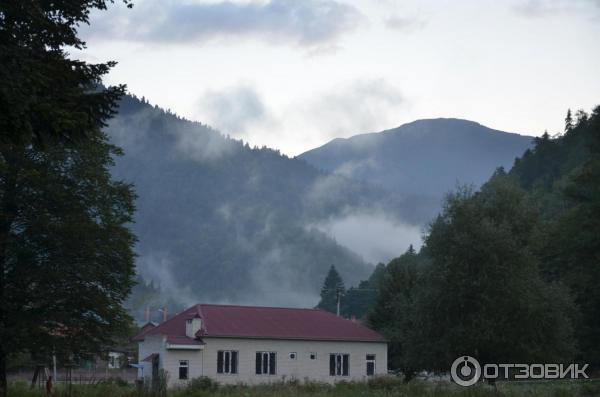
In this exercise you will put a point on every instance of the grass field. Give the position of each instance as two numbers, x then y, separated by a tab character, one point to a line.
379	387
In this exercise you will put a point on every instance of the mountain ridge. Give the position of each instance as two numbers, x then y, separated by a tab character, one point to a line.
424	158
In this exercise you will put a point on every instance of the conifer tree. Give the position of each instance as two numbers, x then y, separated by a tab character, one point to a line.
66	259
568	121
333	287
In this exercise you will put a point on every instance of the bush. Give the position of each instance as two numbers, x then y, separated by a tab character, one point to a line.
118	381
198	387
385	383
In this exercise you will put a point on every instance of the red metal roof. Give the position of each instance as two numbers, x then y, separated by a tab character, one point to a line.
143	331
266	323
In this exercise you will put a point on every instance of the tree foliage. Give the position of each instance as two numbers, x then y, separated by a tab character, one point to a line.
68	259
485	295
333	286
569	246
508	273
46	96
65	256
394	310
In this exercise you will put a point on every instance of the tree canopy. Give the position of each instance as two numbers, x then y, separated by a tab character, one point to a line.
45	95
332	287
508	273
66	258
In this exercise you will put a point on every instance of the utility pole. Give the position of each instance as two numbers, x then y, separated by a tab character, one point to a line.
338	296
55	379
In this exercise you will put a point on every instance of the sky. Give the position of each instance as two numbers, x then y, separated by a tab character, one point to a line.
295	74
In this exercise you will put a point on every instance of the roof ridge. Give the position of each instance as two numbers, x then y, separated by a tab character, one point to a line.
260	307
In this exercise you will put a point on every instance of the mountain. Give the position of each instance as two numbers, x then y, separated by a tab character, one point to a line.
219	221
422	160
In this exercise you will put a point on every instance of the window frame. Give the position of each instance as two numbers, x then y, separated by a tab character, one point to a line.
184	364
373	361
339	364
232	364
312	355
266	364
294	354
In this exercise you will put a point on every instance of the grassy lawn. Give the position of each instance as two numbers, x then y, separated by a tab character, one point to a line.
378	387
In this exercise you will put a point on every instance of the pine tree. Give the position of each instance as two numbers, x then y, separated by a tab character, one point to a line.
333	287
65	256
581	116
568	121
47	96
571	249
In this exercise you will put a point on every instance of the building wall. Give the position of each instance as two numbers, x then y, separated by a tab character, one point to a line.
151	344
171	365
204	362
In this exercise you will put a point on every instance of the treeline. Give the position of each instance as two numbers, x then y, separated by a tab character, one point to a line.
509	273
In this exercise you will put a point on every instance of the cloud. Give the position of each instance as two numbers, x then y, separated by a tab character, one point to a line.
542	8
340	110
364	105
203	144
350	169
305	23
193	140
374	235
233	110
404	24
159	267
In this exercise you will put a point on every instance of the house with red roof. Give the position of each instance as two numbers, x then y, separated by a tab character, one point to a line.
250	344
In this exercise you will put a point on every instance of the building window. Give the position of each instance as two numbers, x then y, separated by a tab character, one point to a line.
370	364
183	369
227	362
339	364
292	355
266	362
313	356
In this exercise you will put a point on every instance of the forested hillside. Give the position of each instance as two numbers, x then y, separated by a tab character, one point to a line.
219	221
508	273
422	160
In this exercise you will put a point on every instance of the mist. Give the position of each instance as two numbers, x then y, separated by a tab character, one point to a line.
376	236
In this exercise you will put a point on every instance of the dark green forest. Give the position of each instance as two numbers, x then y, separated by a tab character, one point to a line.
509	272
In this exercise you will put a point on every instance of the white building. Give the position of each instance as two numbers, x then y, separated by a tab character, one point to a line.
244	344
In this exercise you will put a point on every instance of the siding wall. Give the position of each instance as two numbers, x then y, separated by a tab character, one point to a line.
151	344
204	362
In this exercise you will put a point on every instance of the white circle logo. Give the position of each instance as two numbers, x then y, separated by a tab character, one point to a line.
465	371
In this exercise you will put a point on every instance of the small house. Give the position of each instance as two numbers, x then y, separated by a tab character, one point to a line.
249	344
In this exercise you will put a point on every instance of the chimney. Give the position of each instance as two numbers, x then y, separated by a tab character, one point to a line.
165	314
192	326
147	315
353	318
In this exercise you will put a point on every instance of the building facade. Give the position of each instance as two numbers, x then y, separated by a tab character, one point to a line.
244	344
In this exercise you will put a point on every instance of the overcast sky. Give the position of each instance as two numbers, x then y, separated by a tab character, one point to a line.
294	74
